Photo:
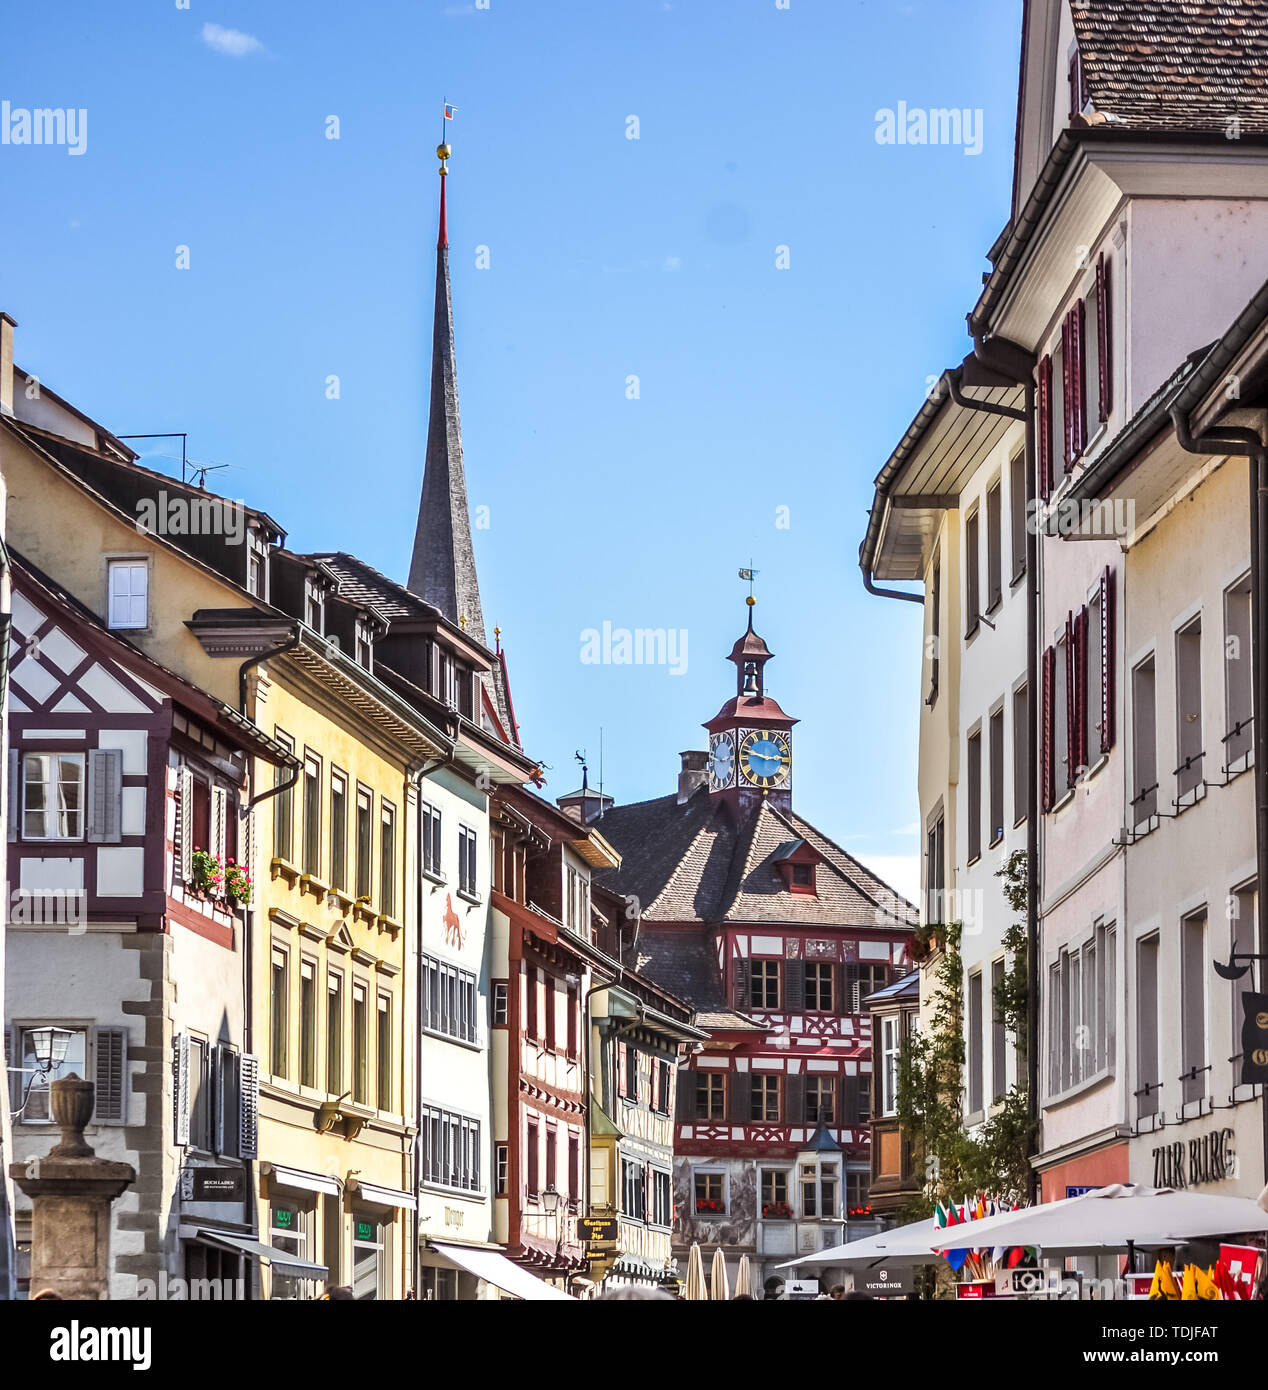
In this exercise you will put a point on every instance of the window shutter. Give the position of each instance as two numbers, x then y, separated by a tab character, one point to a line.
622	1067
1109	674
15	800
794	986
219	816
655	1097
111	1066
13	1060
1071	707
685	1096
741	982
248	1104
1047	758
185	817
795	1100
741	1097
180	1088
1044	462
1067	391
1083	744
1077	332
105	796
850	1102
1104	338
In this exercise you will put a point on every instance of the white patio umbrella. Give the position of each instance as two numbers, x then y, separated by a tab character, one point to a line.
1109	1218
903	1248
744	1278
695	1288
719	1284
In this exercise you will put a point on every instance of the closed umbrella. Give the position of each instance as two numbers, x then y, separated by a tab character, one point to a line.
695	1286
719	1284
1109	1218
744	1278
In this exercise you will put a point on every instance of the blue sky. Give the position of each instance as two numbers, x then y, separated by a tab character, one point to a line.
759	388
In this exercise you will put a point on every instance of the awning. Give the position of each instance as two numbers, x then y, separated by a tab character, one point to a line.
299	1180
282	1261
383	1196
494	1268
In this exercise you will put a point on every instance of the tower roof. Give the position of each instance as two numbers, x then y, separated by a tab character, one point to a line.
442	570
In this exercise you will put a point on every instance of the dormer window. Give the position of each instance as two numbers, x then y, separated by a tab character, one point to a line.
257	565
1078	84
364	644
797	864
315	606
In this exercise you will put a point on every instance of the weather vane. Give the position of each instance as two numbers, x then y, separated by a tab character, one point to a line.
750	574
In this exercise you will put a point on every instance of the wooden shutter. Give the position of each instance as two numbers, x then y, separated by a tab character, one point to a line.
794	1099
13	1061
741	1097
794	986
105	796
1071	687
1083	743
15	799
685	1096
110	1047
1044	462
1109	672
180	1088
850	1102
1079	424
1067	391
248	1105
654	1101
1104	339
1048	779
740	969
219	820
622	1068
185	825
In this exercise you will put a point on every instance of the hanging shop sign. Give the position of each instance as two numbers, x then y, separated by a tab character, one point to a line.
1254	1039
885	1283
597	1228
213	1185
1207	1158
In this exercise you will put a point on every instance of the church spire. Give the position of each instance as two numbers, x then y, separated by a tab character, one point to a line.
442	570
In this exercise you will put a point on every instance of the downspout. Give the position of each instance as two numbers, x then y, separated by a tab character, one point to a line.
248	925
1015	363
1244	443
888	593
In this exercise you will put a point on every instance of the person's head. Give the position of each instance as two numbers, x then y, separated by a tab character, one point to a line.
855	1296
635	1291
339	1291
743	1298
837	1291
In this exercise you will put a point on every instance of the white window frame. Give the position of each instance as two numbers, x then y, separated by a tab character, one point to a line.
132	565
52	758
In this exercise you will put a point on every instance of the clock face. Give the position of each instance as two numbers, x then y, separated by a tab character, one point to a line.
721	761
765	757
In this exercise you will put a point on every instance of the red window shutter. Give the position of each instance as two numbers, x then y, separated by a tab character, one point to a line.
1080	691
1104	338
622	1067
1067	392
1109	673
1078	426
1048	769
1071	706
1045	427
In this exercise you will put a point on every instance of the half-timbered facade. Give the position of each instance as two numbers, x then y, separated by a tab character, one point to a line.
776	936
132	791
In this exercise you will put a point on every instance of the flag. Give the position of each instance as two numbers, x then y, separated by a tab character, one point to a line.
1189	1289
1207	1286
1164	1284
747	574
449	111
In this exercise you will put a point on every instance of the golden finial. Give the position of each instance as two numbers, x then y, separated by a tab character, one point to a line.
750	600
462	621
443	152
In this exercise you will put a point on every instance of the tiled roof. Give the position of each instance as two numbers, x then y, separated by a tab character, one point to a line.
685	962
364	584
692	863
1185	65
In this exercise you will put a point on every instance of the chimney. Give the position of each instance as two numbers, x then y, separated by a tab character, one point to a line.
7	325
694	774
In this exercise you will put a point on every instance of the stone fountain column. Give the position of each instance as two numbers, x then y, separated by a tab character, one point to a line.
71	1190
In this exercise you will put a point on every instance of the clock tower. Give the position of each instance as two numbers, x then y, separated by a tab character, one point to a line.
750	737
